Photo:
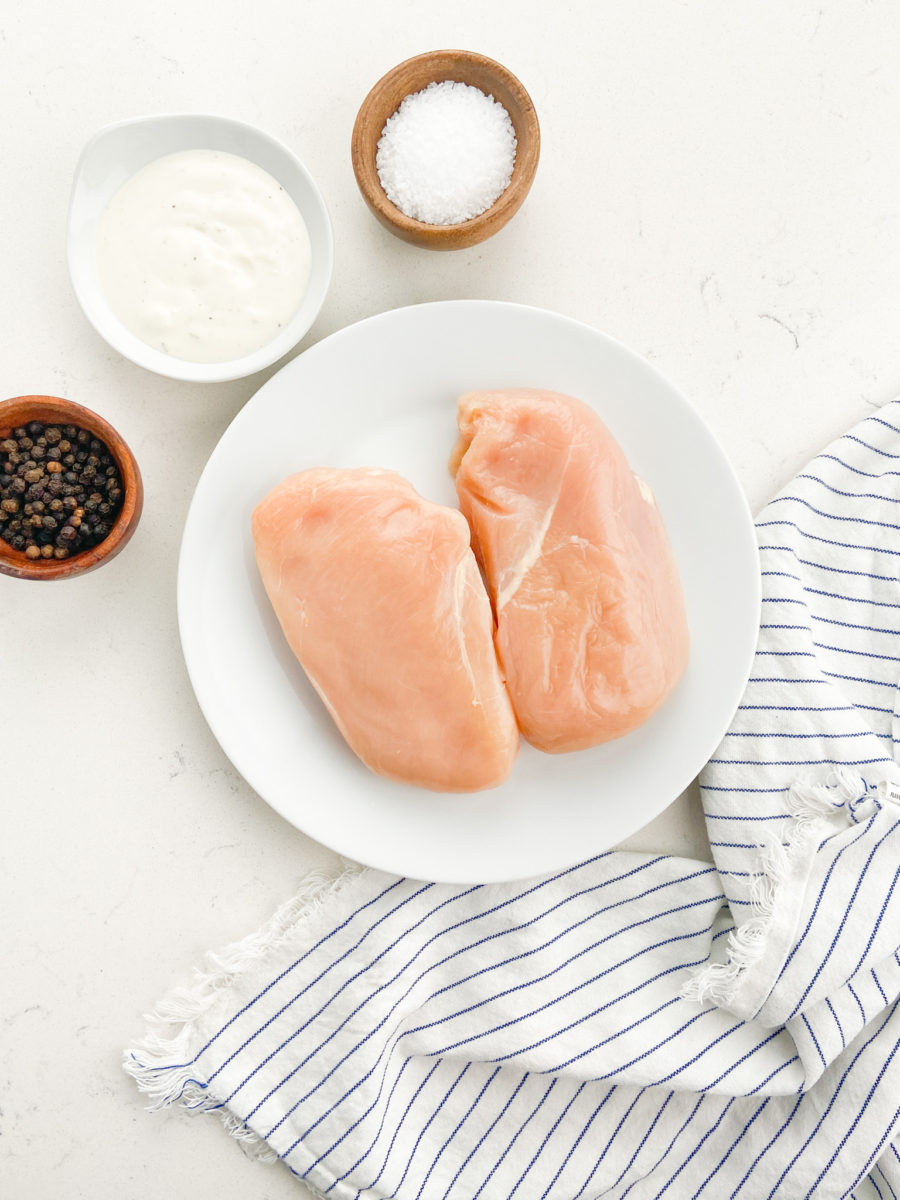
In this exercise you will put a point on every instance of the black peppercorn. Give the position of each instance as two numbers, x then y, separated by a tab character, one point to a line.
50	505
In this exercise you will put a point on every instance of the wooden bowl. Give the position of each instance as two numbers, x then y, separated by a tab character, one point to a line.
53	410
412	76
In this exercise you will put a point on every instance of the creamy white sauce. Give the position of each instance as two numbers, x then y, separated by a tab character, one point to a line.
203	255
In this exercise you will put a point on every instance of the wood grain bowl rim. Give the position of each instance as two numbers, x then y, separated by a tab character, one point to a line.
18	411
383	100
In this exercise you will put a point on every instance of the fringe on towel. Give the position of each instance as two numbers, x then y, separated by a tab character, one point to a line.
162	1063
810	805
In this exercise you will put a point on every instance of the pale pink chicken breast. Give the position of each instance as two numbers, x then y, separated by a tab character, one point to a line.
591	628
380	598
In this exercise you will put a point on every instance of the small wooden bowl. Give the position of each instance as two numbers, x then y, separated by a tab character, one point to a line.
384	99
52	410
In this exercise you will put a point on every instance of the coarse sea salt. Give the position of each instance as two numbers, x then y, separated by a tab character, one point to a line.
447	153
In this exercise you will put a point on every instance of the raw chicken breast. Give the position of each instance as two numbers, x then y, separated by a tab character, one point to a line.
591	628
380	598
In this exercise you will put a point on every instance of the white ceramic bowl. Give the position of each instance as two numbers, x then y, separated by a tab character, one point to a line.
114	154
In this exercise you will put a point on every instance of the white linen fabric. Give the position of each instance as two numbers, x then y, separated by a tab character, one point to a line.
638	1025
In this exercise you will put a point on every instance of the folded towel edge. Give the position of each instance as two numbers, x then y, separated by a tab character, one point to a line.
163	1062
756	950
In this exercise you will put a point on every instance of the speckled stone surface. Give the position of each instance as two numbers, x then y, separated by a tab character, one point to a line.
717	189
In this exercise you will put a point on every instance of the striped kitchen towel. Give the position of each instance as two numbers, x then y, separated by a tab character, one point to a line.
638	1025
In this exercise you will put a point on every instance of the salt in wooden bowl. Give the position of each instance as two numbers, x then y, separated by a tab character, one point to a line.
412	76
53	410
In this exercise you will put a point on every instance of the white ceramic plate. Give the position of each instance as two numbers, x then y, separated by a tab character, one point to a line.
116	153
383	393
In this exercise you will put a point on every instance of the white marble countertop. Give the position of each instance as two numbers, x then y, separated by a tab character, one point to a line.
718	189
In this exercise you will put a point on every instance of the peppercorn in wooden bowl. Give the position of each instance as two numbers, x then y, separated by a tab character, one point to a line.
71	489
411	79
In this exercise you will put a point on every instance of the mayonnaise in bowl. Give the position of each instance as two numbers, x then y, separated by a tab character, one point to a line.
203	255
